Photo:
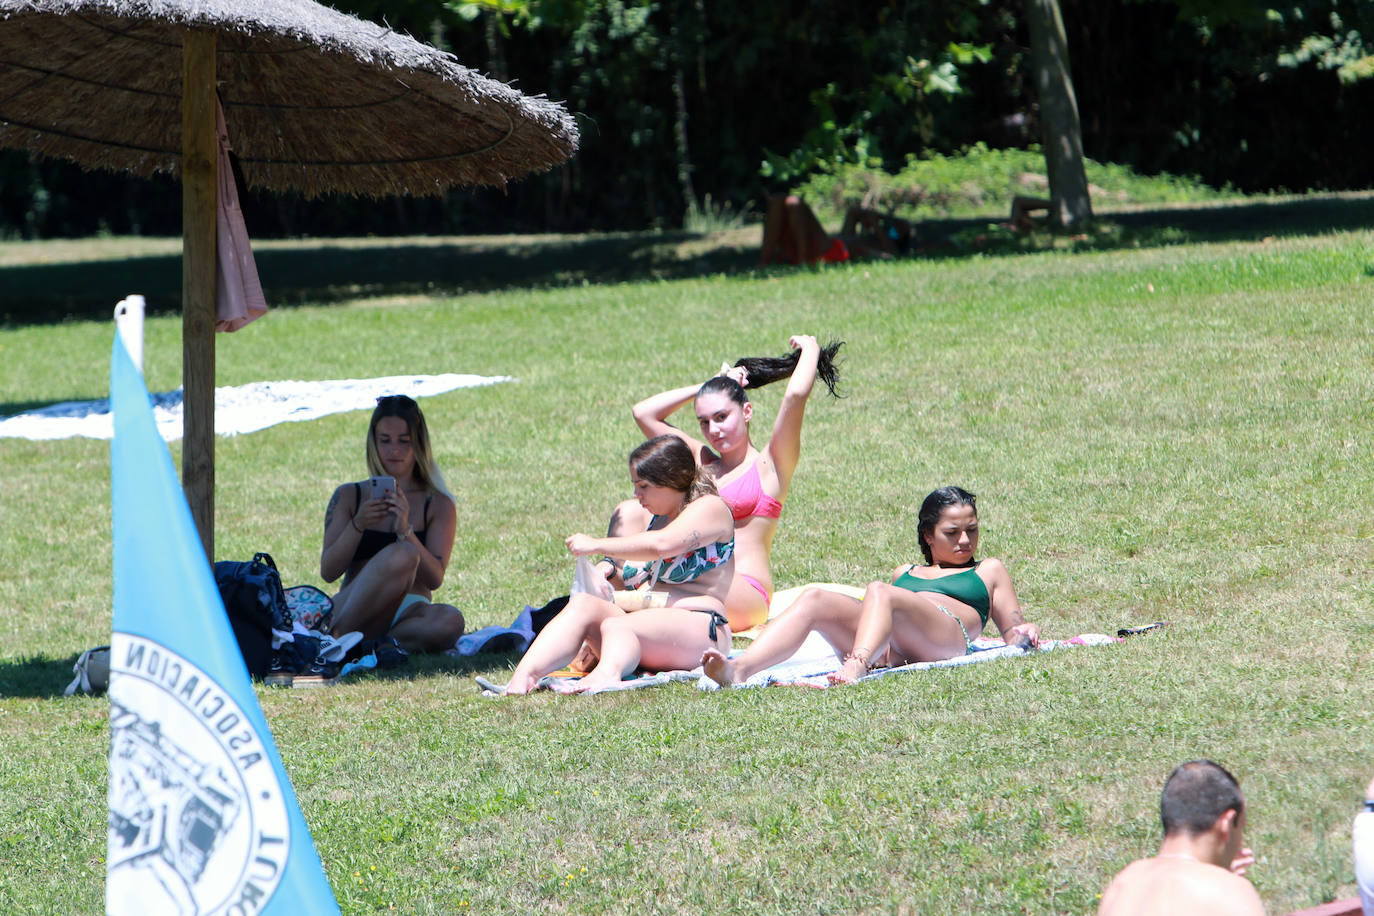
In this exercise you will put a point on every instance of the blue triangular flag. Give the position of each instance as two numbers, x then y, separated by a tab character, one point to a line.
202	816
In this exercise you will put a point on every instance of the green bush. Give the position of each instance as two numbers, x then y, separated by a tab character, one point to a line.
981	182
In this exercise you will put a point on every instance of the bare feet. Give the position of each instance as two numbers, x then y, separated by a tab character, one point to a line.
718	667
518	687
854	667
590	684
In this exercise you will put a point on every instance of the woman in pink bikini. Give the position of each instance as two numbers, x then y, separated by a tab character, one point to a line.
752	481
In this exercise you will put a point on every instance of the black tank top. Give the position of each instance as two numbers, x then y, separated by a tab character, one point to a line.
372	541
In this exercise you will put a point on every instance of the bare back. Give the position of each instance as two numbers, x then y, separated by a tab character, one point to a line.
1164	886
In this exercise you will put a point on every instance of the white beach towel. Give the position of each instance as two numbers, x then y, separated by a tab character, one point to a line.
241	409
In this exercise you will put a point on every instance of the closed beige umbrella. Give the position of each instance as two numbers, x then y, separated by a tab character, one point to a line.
316	101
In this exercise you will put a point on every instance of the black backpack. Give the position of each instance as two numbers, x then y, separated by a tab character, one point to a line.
256	603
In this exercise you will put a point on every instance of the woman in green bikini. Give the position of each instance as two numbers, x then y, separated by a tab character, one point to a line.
926	613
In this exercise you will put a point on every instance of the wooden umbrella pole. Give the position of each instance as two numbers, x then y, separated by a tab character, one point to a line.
198	165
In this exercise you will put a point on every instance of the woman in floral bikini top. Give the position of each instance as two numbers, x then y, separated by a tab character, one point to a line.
687	550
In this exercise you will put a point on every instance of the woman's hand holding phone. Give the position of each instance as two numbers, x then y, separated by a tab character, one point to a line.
399	508
378	504
379	487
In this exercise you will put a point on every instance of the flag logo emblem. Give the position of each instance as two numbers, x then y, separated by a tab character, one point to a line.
198	821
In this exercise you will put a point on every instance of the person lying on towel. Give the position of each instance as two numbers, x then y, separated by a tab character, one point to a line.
926	613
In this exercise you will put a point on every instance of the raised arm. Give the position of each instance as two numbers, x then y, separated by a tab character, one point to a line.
652	413
627	518
703	521
1006	609
784	445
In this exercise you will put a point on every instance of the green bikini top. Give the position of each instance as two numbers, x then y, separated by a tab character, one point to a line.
966	586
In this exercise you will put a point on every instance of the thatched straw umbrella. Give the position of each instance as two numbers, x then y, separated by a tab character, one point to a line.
315	100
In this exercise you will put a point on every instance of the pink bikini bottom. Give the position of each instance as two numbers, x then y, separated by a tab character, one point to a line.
758	586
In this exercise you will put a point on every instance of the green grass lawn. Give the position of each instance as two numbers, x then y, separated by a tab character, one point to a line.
1175	433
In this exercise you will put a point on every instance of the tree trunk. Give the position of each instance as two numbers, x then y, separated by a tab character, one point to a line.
684	155
686	31
496	53
1061	134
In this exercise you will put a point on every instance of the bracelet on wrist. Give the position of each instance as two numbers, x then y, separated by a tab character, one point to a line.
354	522
405	536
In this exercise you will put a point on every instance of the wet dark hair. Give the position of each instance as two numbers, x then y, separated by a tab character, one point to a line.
667	461
764	370
1195	795
931	508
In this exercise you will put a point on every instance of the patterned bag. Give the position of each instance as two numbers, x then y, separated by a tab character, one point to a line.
310	607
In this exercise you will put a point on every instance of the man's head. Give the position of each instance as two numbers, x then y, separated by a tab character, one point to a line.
1201	797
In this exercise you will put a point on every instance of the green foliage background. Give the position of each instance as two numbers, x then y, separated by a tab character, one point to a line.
681	99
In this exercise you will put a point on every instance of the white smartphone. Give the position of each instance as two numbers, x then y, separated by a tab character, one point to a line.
379	487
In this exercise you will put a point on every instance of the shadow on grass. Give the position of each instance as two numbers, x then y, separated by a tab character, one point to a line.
333	272
41	677
1241	221
11	408
36	676
295	273
417	667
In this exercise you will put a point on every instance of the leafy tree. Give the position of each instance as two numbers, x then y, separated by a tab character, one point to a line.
1233	91
679	100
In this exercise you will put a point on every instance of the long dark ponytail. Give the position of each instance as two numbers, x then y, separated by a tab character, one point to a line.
764	370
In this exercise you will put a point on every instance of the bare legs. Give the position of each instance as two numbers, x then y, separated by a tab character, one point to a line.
917	628
661	639
791	232
429	628
861	631
793	235
370	600
369	603
559	641
835	616
1022	207
775	233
